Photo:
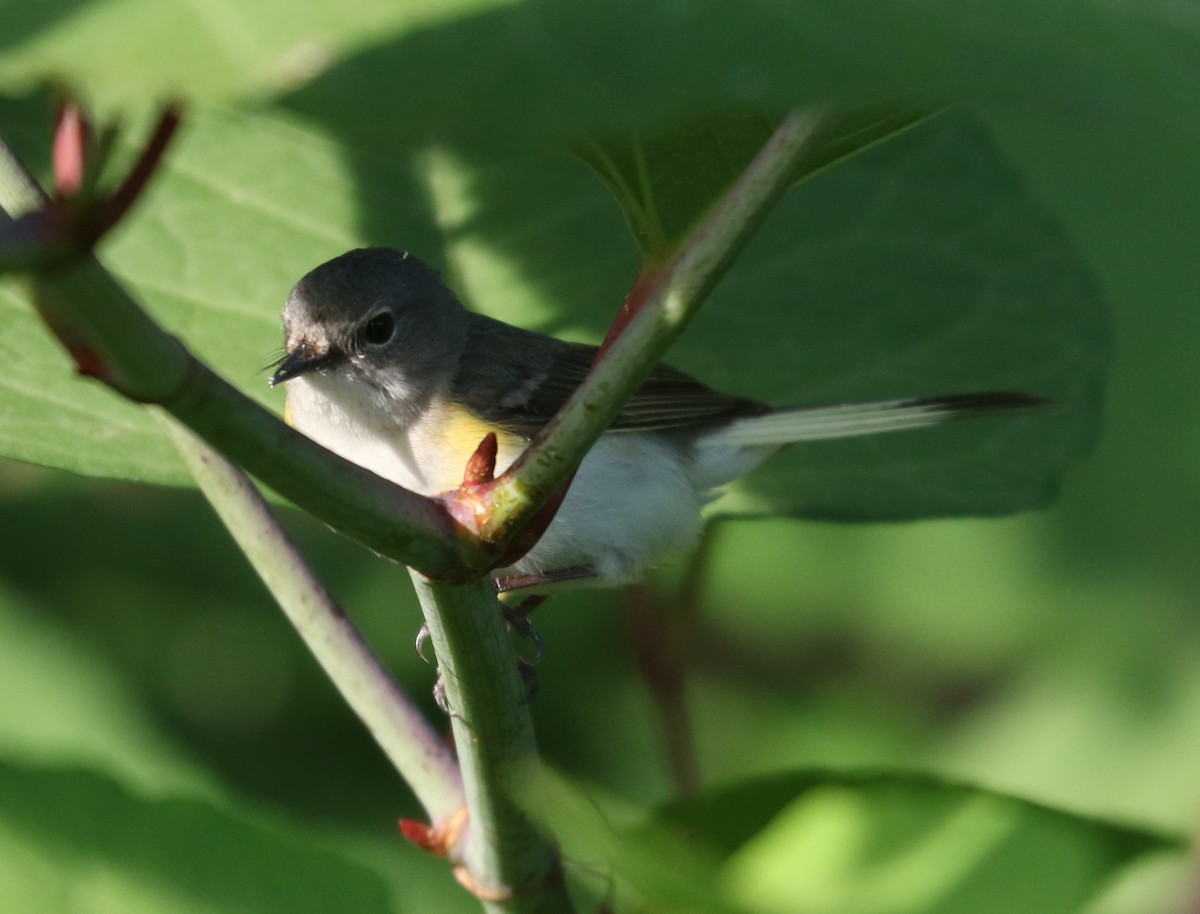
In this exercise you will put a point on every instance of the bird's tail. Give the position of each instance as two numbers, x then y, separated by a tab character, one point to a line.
722	451
787	426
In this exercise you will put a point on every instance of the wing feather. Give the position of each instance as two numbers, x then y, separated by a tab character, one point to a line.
519	379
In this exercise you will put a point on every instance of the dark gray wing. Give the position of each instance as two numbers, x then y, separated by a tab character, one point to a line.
519	379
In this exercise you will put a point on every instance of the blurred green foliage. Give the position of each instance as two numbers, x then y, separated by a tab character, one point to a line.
1053	655
970	288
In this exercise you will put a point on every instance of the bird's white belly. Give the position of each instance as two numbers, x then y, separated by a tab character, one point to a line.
630	505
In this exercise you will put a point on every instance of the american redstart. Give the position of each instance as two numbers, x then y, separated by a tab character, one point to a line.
385	367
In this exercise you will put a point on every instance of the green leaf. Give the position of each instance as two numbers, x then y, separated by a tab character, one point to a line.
892	844
72	839
920	267
541	72
665	180
246	205
511	72
121	51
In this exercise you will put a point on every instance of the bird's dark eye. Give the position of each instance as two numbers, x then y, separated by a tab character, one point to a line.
378	330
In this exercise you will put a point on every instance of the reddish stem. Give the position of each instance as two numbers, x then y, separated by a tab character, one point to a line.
528	535
647	280
112	210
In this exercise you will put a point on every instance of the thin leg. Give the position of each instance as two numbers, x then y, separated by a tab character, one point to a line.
518	621
529	677
546	580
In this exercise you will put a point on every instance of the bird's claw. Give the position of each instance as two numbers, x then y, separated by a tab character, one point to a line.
519	623
419	644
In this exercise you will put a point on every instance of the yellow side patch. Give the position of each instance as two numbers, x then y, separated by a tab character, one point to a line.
453	434
462	431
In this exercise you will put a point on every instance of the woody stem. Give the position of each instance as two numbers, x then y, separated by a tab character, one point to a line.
510	864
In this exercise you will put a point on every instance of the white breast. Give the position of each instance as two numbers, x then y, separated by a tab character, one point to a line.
335	415
630	506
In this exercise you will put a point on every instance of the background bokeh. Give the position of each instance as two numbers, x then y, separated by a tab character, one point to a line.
1053	654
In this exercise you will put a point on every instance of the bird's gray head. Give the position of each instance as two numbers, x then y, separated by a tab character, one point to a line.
374	317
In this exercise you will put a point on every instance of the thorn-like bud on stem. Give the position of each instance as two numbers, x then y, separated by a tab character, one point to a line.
72	135
80	214
481	467
439	840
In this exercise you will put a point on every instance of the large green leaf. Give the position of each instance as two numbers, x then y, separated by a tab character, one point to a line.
121	50
826	843
665	180
74	840
246	206
922	269
918	268
539	68
893	844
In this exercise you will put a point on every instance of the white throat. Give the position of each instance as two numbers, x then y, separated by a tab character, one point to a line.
355	422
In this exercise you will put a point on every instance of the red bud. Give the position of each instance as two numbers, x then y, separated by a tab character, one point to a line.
481	467
71	136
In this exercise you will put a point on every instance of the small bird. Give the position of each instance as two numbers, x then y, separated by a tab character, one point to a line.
385	367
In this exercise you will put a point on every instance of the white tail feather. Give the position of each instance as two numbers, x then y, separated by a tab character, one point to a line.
734	449
793	425
788	426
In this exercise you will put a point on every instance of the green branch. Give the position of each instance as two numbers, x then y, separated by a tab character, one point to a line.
504	859
661	304
414	748
19	192
501	856
114	340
